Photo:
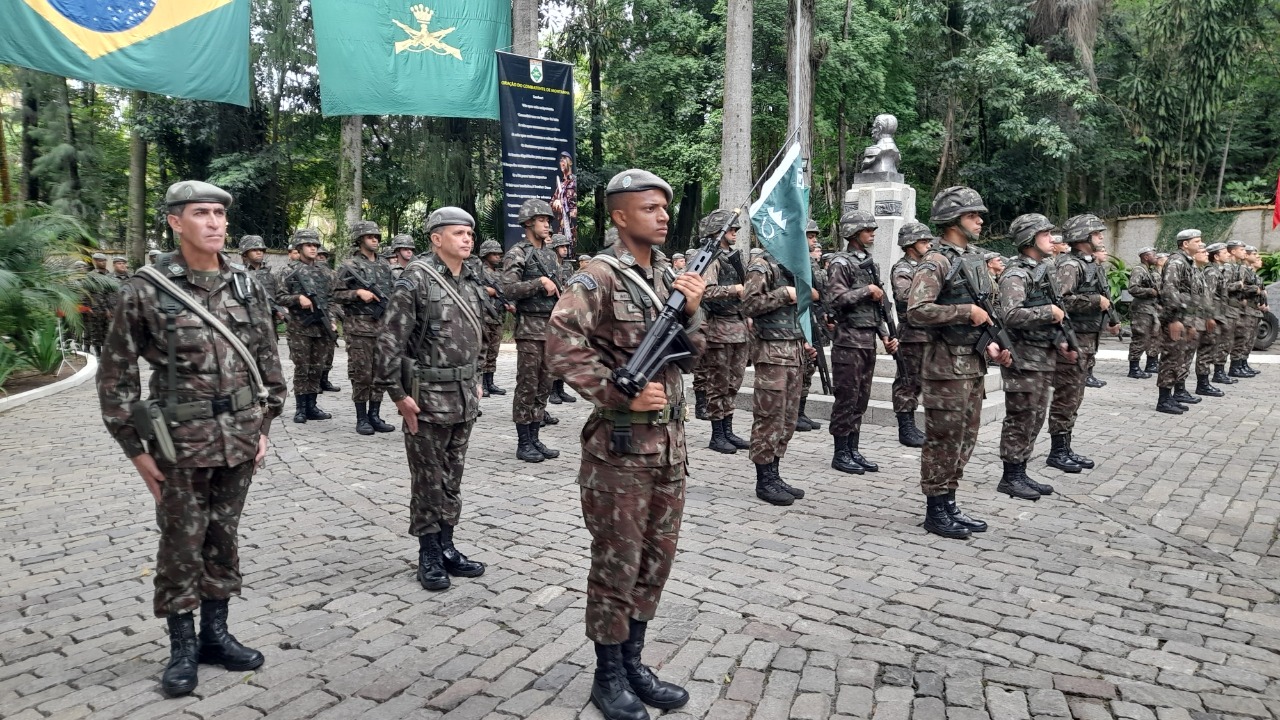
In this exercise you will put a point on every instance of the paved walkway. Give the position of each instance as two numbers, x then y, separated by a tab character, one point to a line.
1147	590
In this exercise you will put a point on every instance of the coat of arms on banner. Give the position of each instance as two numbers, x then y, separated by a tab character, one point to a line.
535	71
423	38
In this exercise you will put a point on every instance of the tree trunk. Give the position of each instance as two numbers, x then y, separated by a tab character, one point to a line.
842	116
137	238
6	192
73	164
687	218
735	153
800	78
350	176
524	27
30	120
1222	168
597	143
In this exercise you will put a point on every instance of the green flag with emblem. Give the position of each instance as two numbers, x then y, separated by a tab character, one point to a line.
779	218
402	57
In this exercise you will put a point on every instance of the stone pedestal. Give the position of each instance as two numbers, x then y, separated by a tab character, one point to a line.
894	205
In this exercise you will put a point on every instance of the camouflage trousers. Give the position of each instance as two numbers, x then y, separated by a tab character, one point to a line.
95	330
952	416
725	366
775	406
810	368
361	358
199	516
701	369
634	530
330	349
1026	403
492	344
1208	345
533	382
1146	337
1246	332
851	372
1068	385
308	355
1175	359
906	384
436	458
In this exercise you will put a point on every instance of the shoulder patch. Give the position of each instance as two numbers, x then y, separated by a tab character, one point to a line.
585	280
760	268
406	283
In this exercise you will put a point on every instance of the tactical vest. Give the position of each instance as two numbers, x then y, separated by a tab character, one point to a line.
369	273
434	326
540	303
864	314
900	303
1037	279
966	269
783	323
1090	283
729	272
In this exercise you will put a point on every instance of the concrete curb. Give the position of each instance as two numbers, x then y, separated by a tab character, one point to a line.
89	370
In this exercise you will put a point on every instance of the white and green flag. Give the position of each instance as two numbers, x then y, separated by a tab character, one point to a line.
779	218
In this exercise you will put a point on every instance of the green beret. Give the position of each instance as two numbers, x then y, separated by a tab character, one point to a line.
1144	250
637	181
1235	243
117	259
194	191
99	256
1189	234
1216	247
448	216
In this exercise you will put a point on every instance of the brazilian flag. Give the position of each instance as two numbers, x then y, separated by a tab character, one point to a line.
185	48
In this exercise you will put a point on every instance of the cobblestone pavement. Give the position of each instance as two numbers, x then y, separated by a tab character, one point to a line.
1147	589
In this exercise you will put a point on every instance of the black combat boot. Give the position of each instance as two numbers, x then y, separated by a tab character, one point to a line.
908	433
431	572
218	646
549	419
180	675
1167	405
738	442
314	412
327	386
644	683
524	449
559	391
611	692
939	522
1153	365
1181	395
1136	372
1220	375
1092	382
769	491
1013	484
1084	462
536	441
719	442
1243	363
362	419
794	492
803	422
300	402
1237	369
841	460
553	397
1058	457
960	517
491	387
455	563
1042	488
700	405
852	442
1204	388
375	418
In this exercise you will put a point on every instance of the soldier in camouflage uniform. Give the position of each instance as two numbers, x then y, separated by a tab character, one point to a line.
363	290
1216	274
1233	283
1082	281
769	299
818	273
336	313
120	268
1028	308
632	474
724	364
304	290
253	253
953	370
915	240
433	318
216	415
99	303
1144	314
152	256
531	278
560	246
402	250
495	313
1181	321
1247	294
854	296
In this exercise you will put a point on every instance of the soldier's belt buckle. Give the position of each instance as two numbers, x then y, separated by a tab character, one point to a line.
220	405
663	416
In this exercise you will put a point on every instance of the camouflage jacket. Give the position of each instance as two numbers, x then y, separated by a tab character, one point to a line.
1145	288
1178	294
492	278
425	324
100	300
356	270
302	278
764	294
1254	291
594	329
900	280
1083	304
725	326
950	355
263	276
849	280
1215	291
522	269
1026	310
207	366
1233	286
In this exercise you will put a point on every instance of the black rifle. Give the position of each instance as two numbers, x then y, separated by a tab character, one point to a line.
993	331
884	310
818	317
1066	329
553	276
319	312
377	308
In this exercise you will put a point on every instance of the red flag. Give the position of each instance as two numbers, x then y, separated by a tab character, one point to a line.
1275	213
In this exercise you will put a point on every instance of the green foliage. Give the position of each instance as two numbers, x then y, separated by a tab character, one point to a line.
1215	226
40	348
38	279
10	362
1270	270
1117	276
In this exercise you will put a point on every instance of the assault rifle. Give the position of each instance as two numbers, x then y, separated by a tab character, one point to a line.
994	331
319	312
885	311
818	317
1066	329
377	308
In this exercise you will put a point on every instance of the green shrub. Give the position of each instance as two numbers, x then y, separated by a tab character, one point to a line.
1270	270
41	348
10	361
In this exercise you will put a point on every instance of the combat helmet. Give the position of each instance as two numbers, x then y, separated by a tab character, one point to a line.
532	208
1080	228
559	240
710	225
490	247
251	242
1025	228
403	242
912	233
305	236
855	221
811	227
954	203
361	228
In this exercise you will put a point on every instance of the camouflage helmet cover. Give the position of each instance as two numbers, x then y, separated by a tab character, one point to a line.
251	242
855	221
361	228
711	224
305	236
403	242
490	247
1080	228
532	208
1025	228
912	233
559	240
953	203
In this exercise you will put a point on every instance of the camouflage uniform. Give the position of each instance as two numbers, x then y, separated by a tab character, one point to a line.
724	365
911	340
820	283
1252	293
1179	302
1212	342
1080	281
337	315
853	350
308	345
495	314
1144	313
98	318
263	276
522	270
363	323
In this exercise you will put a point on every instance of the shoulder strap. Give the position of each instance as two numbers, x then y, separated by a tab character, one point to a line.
467	310
155	277
632	276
